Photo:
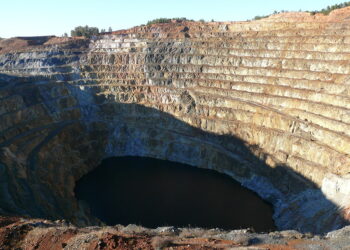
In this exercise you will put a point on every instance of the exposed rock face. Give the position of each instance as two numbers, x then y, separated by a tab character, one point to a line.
266	102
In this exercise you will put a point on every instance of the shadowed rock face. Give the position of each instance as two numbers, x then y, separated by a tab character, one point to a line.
264	102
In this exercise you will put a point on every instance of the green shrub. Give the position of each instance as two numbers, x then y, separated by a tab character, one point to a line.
85	31
329	9
259	17
324	11
159	20
274	13
168	20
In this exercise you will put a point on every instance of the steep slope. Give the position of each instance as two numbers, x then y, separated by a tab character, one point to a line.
266	102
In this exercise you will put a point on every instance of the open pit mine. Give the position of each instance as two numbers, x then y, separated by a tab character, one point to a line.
265	102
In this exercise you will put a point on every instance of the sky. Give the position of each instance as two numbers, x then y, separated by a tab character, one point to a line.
55	17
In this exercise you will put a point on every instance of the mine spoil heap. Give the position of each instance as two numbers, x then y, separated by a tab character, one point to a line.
266	102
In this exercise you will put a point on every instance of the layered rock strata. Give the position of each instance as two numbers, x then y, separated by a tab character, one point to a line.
266	102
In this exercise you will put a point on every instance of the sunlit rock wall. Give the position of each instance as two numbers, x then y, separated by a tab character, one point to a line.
266	102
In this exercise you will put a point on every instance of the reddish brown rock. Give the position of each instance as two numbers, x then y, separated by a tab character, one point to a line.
19	233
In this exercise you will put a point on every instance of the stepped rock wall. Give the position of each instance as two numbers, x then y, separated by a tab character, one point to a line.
266	102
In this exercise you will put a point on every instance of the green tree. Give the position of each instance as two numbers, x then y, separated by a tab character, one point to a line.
329	9
169	20
260	17
110	29
85	31
159	20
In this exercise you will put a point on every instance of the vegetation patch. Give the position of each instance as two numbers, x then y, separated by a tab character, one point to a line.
169	20
324	11
274	13
330	8
85	31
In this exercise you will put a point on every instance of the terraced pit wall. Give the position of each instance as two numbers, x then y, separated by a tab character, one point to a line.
266	102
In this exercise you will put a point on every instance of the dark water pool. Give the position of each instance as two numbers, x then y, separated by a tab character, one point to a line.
152	193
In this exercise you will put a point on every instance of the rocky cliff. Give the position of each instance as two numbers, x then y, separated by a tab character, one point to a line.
266	102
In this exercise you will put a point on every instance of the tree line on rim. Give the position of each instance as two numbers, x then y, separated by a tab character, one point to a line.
88	32
329	9
324	11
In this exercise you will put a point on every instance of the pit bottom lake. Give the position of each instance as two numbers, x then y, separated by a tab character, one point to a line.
153	193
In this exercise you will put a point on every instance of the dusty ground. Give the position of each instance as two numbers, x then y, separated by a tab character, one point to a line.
21	233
